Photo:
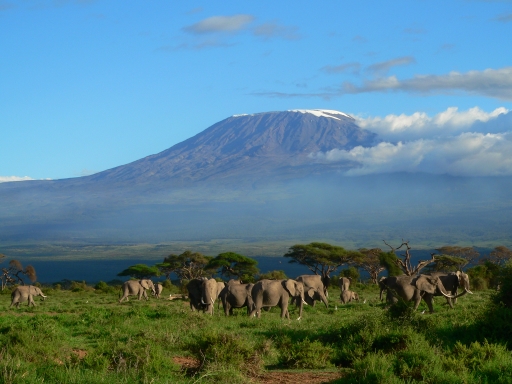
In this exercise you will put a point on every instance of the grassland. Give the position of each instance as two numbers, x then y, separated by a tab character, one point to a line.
84	336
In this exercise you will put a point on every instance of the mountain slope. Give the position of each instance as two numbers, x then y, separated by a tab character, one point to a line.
274	143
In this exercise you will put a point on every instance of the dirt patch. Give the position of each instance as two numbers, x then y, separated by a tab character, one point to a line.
79	353
298	377
191	366
188	364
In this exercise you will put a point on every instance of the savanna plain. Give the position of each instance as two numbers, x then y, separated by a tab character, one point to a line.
83	335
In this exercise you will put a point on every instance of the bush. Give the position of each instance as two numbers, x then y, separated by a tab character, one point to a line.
79	286
305	354
351	272
273	275
504	294
104	288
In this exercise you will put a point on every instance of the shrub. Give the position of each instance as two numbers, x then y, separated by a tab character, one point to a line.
79	286
273	275
229	350
504	294
305	354
351	272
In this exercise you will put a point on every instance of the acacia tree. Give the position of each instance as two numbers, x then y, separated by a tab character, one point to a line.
371	262
405	264
13	273
140	271
187	266
447	263
469	254
233	265
321	258
500	255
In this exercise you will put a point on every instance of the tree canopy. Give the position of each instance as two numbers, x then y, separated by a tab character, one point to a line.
140	271
469	254
447	263
371	262
187	266
14	272
233	265
321	258
500	255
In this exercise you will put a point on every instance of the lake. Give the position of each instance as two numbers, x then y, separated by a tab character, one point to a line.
93	271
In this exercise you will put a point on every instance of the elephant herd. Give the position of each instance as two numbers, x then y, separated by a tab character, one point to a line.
265	294
305	289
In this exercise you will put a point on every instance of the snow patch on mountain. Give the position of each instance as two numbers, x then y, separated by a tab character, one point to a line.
322	113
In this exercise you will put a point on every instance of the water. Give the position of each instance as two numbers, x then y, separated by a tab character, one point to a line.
93	271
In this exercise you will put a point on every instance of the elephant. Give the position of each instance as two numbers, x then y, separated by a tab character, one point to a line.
451	282
344	283
25	292
269	293
314	290
236	295
210	292
195	293
414	288
348	296
137	287
158	290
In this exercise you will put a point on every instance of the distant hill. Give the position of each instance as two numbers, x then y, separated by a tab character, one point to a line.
250	179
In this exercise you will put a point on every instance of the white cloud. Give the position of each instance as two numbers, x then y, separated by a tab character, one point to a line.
444	144
496	83
467	154
6	179
420	125
215	24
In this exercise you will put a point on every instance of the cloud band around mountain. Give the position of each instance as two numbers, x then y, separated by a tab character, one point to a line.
455	147
6	179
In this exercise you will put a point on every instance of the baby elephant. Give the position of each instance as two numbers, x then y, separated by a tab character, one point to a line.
348	296
25	293
158	290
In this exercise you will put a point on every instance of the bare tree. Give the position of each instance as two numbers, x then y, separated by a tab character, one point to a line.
405	264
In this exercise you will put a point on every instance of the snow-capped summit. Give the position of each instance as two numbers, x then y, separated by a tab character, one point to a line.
322	113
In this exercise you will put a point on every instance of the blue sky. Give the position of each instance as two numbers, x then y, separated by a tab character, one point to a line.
89	85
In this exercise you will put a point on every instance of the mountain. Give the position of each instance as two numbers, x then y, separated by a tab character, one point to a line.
253	179
252	146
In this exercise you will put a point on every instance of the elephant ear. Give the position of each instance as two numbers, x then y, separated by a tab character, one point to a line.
426	283
144	284
311	293
290	286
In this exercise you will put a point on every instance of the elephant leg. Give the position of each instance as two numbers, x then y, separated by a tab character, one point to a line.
283	311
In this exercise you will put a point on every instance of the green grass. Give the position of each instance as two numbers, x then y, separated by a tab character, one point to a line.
86	336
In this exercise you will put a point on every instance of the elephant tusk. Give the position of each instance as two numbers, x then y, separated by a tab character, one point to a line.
300	317
213	301
447	295
303	302
202	301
